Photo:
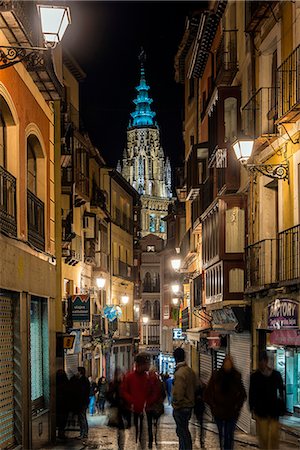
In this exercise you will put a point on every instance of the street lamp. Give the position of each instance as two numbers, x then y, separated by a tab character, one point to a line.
124	299
243	150
175	301
54	22
175	288
176	263
100	281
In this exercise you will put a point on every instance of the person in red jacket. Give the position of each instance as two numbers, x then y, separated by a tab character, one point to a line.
155	405
135	391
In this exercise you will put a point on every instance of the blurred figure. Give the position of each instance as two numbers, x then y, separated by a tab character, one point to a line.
81	395
169	387
135	392
102	391
62	402
225	394
120	416
200	408
154	405
92	400
183	398
266	401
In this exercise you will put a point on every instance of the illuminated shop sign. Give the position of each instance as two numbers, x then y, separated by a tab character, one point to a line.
177	333
283	313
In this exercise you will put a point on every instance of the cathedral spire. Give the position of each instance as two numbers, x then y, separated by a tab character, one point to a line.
142	116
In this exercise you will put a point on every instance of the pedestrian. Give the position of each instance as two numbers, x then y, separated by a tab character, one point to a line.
266	401
135	391
92	398
102	391
169	387
200	408
154	405
62	402
225	394
81	395
183	398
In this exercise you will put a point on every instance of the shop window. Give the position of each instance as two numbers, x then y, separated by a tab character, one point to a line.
39	354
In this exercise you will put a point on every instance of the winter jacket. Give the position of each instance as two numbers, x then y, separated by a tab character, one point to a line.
184	387
266	394
225	394
157	394
135	390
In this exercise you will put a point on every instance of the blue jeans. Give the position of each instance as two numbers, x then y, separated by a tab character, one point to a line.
92	405
84	428
182	417
226	431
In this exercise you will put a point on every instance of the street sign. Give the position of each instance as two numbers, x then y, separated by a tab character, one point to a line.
68	341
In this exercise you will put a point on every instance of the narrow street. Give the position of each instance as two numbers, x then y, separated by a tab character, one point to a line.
105	438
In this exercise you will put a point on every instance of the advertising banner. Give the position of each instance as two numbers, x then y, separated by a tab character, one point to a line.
81	308
283	313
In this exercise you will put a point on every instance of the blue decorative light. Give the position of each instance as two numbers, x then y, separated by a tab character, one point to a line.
142	116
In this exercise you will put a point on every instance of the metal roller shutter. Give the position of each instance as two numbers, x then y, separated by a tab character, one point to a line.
205	367
240	350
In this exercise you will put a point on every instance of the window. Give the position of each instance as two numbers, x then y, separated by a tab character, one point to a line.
31	168
231	114
152	225
39	354
156	310
161	225
2	141
150	248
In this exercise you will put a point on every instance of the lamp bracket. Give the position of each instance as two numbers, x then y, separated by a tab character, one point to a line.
275	171
290	137
32	56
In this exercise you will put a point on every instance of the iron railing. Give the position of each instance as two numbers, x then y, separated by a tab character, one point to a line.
35	220
260	112
82	183
289	254
289	83
8	205
101	261
151	287
122	269
261	263
128	329
226	57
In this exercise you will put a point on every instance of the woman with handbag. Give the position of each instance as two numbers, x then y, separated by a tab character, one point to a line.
155	405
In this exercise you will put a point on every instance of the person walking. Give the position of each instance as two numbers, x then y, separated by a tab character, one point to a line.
62	402
81	391
169	387
92	398
200	408
183	398
102	391
266	401
225	394
135	391
154	405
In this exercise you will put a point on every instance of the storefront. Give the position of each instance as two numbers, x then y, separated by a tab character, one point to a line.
166	363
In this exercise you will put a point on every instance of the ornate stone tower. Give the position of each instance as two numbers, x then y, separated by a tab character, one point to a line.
144	164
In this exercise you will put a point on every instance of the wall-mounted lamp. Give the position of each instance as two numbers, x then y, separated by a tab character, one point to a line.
175	288
243	149
100	281
54	22
124	299
145	320
176	263
175	301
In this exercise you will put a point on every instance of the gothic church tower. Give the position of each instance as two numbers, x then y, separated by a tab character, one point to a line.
144	164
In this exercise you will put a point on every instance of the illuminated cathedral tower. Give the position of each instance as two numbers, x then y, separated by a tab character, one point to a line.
144	164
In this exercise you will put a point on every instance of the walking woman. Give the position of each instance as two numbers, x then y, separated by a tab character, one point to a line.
155	405
225	394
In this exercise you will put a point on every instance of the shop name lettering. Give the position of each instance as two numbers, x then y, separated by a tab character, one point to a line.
283	314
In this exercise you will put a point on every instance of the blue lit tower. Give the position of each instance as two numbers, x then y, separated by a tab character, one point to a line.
144	164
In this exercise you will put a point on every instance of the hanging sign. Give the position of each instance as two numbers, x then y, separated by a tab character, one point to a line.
283	313
81	308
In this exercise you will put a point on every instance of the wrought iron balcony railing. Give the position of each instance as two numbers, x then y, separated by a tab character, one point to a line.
260	113
128	329
226	58
289	87
289	254
35	221
122	269
8	208
151	287
262	258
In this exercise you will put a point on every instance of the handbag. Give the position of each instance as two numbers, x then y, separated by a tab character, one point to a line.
158	409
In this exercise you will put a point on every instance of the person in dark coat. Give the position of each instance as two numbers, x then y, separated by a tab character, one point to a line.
266	401
102	391
81	394
62	402
199	409
154	405
225	394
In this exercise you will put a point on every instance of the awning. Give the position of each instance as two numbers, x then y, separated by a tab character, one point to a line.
285	337
194	334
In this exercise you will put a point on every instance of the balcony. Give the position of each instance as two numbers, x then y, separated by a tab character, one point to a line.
256	13
196	165
66	179
128	329
98	200
261	263
289	88
82	188
67	228
73	253
151	287
8	209
260	113
122	269
90	252
226	58
289	254
101	261
35	221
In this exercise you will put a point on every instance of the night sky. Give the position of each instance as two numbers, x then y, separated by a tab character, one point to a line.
105	38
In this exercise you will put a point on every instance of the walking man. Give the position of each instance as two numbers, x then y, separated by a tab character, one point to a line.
266	401
183	399
83	396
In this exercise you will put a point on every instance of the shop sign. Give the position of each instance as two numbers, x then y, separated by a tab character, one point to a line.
76	348
177	333
81	308
283	313
223	316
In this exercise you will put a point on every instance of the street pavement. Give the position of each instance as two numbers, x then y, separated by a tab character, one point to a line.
102	437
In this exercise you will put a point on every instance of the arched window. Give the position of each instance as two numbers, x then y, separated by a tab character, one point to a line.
147	282
147	308
156	310
152	225
31	167
2	141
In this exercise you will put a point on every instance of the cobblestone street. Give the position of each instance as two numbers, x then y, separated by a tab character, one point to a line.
105	438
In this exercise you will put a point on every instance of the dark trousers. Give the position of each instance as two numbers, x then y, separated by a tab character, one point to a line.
83	423
199	418
182	417
138	419
152	421
226	431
